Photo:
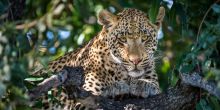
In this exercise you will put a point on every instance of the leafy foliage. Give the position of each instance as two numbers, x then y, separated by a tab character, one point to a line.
47	29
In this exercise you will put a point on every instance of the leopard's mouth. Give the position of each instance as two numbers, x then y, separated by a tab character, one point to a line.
135	73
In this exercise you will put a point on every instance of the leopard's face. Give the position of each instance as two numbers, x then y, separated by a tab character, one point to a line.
134	52
132	40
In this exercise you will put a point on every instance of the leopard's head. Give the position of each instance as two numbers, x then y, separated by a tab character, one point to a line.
131	38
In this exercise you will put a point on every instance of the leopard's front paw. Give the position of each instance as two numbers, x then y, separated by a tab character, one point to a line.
144	89
150	89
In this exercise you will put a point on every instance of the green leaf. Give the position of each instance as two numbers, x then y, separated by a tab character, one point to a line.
215	103
216	8
3	6
2	89
202	105
34	79
154	10
186	68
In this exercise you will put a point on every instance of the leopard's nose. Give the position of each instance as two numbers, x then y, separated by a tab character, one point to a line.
135	60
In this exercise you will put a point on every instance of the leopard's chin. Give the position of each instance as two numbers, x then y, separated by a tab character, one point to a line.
135	73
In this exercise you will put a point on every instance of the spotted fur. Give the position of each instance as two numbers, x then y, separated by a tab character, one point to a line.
120	59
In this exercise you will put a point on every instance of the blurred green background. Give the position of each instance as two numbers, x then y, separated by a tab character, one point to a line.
42	30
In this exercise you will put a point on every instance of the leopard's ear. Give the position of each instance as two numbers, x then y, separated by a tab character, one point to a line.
160	17
106	18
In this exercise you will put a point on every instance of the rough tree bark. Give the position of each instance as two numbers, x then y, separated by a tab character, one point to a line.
183	96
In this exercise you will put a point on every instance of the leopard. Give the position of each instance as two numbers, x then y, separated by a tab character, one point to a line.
120	59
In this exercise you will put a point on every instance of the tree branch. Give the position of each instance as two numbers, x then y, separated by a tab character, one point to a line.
197	81
182	97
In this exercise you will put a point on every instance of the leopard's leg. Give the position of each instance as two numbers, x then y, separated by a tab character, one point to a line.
146	86
105	85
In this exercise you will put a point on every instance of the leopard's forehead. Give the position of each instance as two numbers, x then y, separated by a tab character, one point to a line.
133	21
131	13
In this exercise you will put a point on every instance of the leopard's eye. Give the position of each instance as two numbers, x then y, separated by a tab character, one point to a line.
123	40
144	39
